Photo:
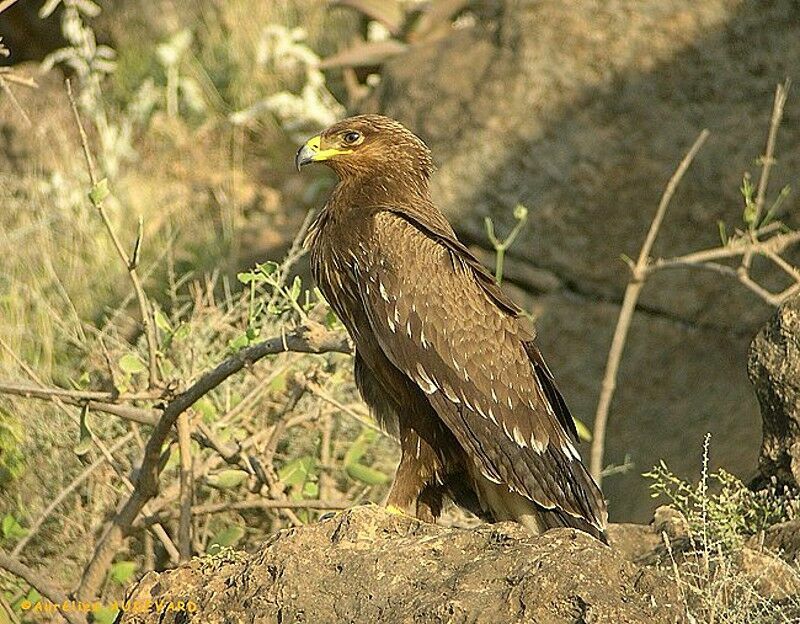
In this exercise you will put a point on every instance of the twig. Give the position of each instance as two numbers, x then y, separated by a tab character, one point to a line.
68	397
781	93
64	493
629	301
311	338
88	395
41	584
145	309
364	419
264	503
186	488
7	90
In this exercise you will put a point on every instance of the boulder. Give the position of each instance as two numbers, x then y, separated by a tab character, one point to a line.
774	369
366	565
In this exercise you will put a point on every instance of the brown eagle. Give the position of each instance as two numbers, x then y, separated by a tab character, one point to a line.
442	356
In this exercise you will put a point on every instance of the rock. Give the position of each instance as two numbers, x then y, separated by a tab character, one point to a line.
669	520
770	576
581	111
365	565
774	369
782	538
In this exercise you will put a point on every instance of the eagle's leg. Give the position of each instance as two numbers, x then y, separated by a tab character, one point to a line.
414	490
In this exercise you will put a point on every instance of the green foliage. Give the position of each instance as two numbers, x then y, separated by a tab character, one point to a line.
270	295
352	460
225	538
721	508
10	529
99	193
720	513
227	479
85	442
501	246
122	572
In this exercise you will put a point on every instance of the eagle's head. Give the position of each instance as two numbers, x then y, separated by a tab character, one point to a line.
371	145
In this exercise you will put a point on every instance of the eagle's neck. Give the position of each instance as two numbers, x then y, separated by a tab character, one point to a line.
387	188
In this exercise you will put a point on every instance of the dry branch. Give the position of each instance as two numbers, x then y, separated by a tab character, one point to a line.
82	398
145	308
632	292
310	338
745	245
41	584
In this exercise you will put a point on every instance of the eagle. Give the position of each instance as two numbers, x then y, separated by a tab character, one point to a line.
442	356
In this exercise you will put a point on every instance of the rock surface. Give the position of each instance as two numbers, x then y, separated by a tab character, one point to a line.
774	369
582	110
365	566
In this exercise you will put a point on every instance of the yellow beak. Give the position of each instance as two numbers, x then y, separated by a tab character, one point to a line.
312	152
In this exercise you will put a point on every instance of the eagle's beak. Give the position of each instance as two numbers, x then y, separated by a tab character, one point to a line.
313	152
307	152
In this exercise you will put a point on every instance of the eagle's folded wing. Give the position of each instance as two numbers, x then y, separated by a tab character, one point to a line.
436	322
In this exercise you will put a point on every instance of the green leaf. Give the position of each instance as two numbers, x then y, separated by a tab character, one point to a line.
723	232
238	343
359	446
229	536
227	479
584	432
122	571
105	614
246	277
269	267
310	490
85	440
207	410
131	364
182	332
297	287
162	322
99	192
331	320
278	384
11	528
367	475
749	214
298	470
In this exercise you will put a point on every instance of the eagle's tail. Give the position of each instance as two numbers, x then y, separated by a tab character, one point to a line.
505	505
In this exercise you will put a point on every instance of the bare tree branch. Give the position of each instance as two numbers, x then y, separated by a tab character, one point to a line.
781	93
41	584
629	301
79	399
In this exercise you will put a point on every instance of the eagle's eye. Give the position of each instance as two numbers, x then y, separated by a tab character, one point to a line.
352	137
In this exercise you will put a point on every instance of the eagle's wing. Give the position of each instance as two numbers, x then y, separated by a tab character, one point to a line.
437	321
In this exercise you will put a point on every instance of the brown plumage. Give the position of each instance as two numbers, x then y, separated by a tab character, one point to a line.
442	357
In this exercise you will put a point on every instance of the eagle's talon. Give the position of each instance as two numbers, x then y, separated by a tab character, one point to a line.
397	511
